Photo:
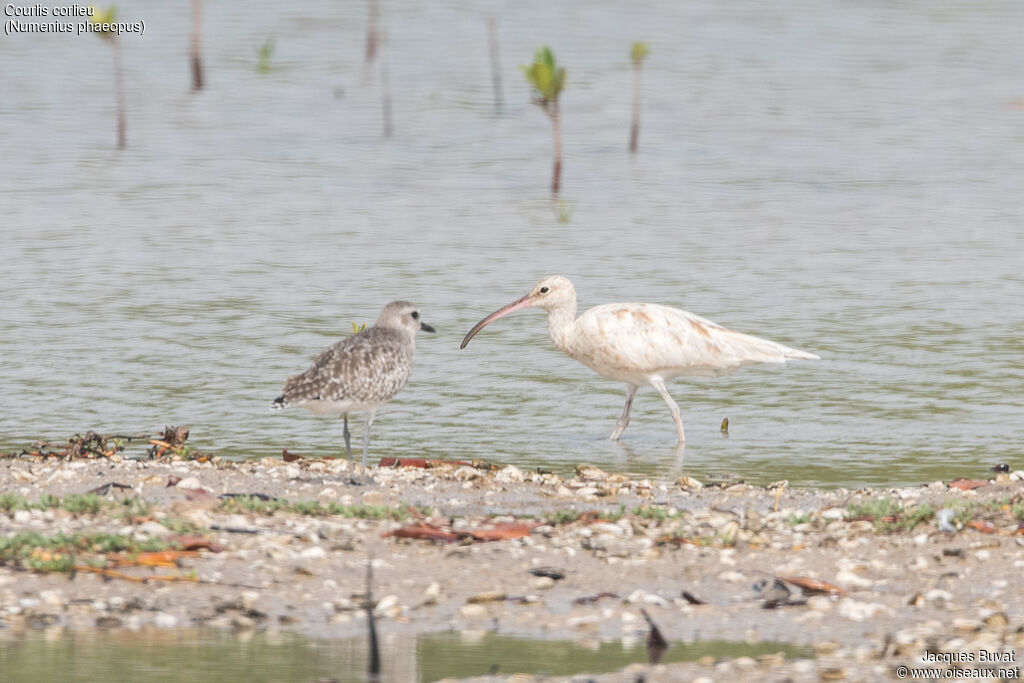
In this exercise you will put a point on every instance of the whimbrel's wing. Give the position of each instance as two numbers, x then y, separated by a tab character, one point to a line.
653	339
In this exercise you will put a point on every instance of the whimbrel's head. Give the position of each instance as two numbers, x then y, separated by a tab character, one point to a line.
402	315
552	293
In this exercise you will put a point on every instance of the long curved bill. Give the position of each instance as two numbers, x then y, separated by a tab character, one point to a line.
516	305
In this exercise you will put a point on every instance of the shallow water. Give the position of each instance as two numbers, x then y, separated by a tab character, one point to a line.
169	656
840	177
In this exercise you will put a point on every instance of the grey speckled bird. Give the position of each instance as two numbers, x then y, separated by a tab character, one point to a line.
360	373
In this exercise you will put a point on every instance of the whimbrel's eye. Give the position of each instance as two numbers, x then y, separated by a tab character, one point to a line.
415	315
543	290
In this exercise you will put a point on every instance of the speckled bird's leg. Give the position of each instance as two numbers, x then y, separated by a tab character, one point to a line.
366	436
348	442
623	420
658	384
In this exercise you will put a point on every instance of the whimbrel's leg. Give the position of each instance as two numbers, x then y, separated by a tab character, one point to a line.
623	420
366	436
658	384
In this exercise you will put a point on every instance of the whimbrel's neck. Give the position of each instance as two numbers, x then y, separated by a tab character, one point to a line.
562	324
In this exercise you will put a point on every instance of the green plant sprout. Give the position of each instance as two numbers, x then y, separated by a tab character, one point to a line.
103	19
264	55
548	81
638	53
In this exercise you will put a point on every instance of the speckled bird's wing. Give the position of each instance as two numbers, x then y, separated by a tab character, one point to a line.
370	367
644	339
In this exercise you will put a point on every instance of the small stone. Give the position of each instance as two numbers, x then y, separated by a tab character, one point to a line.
249	599
474	611
313	553
542	582
373	498
510	474
164	620
591	473
486	596
51	598
688	483
432	594
996	621
388	606
640	596
855	610
964	625
820	603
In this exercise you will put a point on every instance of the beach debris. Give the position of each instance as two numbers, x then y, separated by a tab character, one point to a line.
1001	467
89	445
944	519
590	473
813	586
771	589
487	596
688	483
258	496
425	463
592	599
774	593
501	531
104	489
692	599
423	532
966	484
549	572
725	427
656	643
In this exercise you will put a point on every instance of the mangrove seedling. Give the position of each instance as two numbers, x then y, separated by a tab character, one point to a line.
102	20
385	84
548	80
197	63
638	54
372	30
264	54
499	91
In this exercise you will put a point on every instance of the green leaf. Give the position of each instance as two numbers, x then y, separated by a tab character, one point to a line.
546	77
638	53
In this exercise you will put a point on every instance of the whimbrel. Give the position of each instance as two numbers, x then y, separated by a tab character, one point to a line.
642	343
360	373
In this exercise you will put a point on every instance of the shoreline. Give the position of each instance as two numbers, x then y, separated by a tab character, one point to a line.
453	546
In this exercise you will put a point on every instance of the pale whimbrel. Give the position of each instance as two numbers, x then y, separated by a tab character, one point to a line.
360	373
642	343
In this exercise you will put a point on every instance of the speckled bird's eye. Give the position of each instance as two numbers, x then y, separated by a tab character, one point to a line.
415	315
543	290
